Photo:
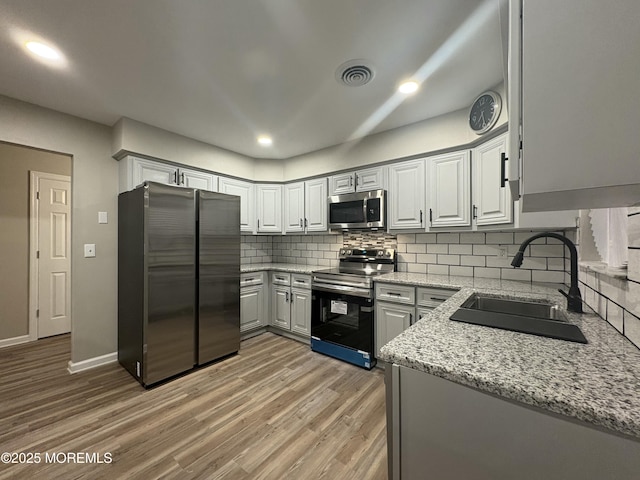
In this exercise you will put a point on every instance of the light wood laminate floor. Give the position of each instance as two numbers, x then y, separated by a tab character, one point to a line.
276	410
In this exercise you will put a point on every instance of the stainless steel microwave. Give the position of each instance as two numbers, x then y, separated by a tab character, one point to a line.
358	210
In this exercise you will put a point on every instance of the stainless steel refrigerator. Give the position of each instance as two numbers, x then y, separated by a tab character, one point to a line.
178	279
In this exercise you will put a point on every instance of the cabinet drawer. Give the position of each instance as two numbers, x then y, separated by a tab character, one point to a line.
280	278
396	293
432	296
253	278
300	281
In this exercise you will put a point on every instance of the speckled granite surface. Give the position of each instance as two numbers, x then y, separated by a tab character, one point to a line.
598	383
279	267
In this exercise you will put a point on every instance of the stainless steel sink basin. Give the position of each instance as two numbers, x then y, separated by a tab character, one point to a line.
544	319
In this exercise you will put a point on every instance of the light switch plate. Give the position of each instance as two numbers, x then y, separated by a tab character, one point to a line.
89	250
102	217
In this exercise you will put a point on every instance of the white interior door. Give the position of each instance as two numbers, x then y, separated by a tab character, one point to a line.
53	248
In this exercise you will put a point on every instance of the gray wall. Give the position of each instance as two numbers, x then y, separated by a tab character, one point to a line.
15	164
94	188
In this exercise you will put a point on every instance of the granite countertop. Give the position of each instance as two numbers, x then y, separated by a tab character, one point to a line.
598	383
279	267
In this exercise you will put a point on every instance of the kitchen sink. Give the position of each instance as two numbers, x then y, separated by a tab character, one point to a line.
544	319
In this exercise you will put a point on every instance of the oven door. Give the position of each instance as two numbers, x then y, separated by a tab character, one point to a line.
343	320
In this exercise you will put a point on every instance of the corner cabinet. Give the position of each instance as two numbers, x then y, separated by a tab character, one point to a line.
449	188
245	191
573	103
406	199
358	181
305	206
134	171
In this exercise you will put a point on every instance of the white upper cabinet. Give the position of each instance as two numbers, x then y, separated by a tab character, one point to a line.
448	180
135	171
245	191
294	207
315	205
199	180
573	89
406	199
492	204
269	208
359	181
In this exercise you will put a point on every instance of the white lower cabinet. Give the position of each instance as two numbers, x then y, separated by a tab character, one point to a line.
291	306
394	311
253	301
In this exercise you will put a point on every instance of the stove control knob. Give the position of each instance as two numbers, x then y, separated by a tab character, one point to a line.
380	253
342	251
388	254
348	252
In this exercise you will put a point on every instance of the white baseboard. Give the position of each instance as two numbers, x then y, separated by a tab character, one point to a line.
75	367
7	342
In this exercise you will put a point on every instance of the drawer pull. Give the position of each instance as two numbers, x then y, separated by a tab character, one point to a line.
394	294
438	299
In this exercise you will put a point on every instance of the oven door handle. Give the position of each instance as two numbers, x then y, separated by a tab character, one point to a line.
340	283
356	292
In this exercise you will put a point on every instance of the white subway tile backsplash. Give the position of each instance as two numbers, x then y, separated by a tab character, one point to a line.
473	261
485	250
438	269
516	274
499	262
547	276
449	259
416	248
554	263
475	237
461	271
427	258
632	328
448	238
426	238
406	238
547	250
615	315
499	238
407	258
461	249
437	248
417	268
486	272
534	263
520	237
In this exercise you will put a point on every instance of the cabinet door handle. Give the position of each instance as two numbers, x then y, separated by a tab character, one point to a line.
175	177
258	224
356	177
287	297
431	216
301	222
503	169
420	217
475	212
410	319
182	178
292	299
351	181
305	223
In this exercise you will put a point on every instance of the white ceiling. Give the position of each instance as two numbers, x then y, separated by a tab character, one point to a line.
224	71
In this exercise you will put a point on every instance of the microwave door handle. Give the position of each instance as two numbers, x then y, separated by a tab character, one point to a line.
365	217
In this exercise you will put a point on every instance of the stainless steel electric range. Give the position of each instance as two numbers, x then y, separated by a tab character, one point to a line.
342	321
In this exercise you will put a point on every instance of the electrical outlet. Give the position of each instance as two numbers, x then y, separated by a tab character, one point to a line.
502	252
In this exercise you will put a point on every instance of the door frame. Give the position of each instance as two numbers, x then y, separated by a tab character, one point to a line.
34	211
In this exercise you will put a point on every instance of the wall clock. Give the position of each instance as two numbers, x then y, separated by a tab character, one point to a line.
484	112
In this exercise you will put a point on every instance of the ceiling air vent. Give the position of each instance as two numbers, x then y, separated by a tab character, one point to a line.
354	73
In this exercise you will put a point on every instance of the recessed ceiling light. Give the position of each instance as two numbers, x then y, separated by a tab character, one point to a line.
44	51
265	140
408	87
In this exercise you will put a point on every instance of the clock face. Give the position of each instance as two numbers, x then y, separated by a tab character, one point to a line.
484	112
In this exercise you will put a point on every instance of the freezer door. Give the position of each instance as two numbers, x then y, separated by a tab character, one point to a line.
219	275
171	282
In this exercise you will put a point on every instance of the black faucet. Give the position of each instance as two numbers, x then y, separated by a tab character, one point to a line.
574	299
